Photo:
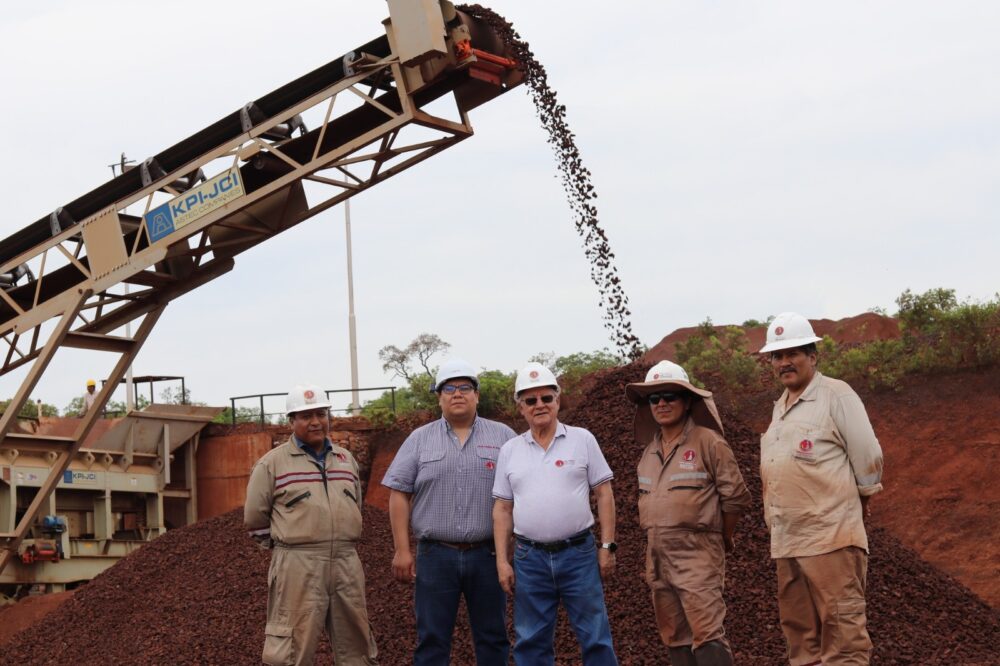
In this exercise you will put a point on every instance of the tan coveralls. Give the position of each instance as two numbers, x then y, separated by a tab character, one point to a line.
312	515
818	457
681	500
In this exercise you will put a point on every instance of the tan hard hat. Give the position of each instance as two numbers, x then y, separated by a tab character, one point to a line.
91	382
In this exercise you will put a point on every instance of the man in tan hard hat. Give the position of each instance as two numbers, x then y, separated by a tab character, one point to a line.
304	499
691	495
820	463
441	481
90	397
544	480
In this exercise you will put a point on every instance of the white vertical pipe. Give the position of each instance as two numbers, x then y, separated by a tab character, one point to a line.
355	401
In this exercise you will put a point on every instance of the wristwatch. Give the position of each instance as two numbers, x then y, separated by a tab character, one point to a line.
610	547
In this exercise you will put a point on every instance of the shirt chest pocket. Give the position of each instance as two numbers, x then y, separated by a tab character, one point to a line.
486	461
810	443
431	465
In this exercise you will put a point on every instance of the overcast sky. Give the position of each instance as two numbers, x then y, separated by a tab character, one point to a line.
750	158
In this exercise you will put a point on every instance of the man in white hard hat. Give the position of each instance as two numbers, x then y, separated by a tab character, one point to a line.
304	500
820	463
440	483
543	484
691	496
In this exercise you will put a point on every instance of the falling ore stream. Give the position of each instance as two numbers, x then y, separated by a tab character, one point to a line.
576	181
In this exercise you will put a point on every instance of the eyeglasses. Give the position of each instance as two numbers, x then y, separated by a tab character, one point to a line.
655	398
464	389
533	400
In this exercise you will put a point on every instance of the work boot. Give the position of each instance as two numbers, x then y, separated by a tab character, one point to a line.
682	656
713	653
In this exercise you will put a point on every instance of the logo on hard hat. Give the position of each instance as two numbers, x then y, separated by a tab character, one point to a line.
533	374
689	455
779	330
656	376
805	445
309	395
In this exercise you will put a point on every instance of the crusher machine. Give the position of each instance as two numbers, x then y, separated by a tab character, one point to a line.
125	486
77	276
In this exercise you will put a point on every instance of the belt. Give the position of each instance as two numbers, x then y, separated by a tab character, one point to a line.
556	546
460	545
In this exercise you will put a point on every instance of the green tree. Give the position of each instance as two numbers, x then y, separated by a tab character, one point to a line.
572	368
408	362
722	354
30	409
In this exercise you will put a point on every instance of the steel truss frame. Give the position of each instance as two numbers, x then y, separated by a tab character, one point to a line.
109	250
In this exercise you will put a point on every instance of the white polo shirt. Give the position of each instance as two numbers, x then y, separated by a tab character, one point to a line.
551	488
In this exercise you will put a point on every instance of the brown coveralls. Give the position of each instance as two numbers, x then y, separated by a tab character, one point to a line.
312	515
681	500
818	457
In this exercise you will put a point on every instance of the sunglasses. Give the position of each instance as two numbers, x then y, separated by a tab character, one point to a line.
533	400
655	398
464	389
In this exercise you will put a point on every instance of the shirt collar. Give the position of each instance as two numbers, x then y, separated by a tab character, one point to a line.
560	432
807	396
327	448
657	444
448	428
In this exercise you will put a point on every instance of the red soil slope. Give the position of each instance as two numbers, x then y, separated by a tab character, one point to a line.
861	328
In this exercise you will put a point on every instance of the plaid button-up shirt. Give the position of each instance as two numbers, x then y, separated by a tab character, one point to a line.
451	484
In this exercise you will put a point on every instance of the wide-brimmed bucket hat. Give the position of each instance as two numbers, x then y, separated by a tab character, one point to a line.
665	376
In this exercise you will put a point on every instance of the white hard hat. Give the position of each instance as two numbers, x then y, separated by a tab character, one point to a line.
454	368
665	371
306	396
661	376
787	331
533	375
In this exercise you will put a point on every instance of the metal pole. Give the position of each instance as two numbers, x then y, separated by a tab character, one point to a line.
129	401
355	400
232	409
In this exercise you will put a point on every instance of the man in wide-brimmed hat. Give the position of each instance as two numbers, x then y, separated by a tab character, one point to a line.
691	496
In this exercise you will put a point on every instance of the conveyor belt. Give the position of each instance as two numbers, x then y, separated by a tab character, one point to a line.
181	153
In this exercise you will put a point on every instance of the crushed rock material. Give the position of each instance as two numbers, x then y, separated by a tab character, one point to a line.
577	184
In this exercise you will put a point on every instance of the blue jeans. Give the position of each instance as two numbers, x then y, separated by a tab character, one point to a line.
443	575
541	580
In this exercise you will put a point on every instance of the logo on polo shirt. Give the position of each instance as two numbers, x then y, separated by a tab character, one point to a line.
489	464
779	330
560	463
689	455
805	445
341	457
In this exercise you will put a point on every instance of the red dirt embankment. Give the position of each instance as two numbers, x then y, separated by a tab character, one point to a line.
851	330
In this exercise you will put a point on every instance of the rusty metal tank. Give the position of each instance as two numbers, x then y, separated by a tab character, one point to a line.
224	465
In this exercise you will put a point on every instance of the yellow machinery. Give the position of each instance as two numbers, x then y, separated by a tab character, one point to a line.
226	188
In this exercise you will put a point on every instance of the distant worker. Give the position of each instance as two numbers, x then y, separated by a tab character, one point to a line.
90	397
440	483
304	500
820	464
691	496
543	483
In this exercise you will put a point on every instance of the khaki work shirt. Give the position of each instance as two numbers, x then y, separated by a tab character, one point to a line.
817	458
294	500
693	485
